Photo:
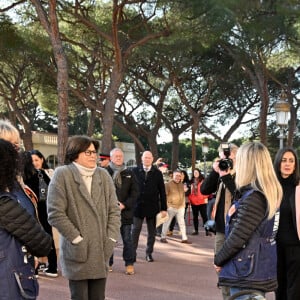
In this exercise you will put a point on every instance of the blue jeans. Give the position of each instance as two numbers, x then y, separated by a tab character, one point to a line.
128	254
234	290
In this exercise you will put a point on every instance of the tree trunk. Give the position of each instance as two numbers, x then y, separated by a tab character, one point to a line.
50	24
109	109
138	153
91	124
153	146
194	129
264	96
293	110
175	151
26	136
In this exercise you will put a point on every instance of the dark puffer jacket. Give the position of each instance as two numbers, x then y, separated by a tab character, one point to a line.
17	229
19	223
248	256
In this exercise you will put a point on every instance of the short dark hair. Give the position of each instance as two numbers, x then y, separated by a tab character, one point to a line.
9	165
77	144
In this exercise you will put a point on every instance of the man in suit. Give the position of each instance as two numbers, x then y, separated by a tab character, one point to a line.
151	200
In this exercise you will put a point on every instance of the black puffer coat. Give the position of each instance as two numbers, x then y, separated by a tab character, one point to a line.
18	228
19	223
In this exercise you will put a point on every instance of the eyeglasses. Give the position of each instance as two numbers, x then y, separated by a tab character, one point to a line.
89	152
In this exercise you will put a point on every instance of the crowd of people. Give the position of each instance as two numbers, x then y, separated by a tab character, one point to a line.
93	200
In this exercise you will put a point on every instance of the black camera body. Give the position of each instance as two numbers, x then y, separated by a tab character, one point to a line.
225	163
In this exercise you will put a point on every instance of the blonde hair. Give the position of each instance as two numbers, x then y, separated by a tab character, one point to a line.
254	167
9	132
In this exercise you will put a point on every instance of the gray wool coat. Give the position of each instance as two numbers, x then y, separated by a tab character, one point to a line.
95	217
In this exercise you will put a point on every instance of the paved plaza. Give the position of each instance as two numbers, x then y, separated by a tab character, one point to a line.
179	272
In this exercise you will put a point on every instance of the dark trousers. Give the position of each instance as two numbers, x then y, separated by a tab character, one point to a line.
90	289
136	231
128	254
43	217
196	209
288	272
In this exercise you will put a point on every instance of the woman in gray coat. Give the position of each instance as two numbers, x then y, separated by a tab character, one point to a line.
82	205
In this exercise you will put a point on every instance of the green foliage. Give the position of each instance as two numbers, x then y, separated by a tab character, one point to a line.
201	35
9	37
121	135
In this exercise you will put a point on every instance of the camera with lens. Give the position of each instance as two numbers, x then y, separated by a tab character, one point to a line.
225	163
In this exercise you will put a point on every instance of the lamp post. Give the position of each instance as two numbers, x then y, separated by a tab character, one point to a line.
282	108
204	152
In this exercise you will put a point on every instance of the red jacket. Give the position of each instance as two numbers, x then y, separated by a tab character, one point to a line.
197	198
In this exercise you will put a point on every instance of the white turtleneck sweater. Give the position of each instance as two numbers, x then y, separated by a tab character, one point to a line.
86	174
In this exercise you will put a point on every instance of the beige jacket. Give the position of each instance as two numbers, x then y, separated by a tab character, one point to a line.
175	194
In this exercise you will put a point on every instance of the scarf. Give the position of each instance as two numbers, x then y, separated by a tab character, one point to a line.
117	178
86	174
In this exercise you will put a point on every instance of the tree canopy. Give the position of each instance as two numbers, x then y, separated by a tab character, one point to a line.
204	67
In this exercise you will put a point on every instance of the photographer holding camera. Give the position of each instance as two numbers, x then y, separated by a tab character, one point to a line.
221	181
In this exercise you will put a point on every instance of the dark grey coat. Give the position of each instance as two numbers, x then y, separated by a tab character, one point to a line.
96	218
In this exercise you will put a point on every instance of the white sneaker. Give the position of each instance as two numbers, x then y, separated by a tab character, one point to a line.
50	274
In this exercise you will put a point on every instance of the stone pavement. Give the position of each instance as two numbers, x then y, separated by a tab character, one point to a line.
180	271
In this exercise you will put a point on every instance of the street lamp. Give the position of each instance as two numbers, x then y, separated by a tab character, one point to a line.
282	108
204	152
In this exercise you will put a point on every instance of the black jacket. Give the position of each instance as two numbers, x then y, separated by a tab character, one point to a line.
19	223
152	196
211	185
127	194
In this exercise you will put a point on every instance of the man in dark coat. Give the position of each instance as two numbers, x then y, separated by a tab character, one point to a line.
151	200
127	191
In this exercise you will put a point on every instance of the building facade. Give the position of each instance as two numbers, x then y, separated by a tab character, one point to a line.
46	143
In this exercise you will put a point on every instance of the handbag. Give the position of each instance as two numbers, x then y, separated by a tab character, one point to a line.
27	282
43	187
